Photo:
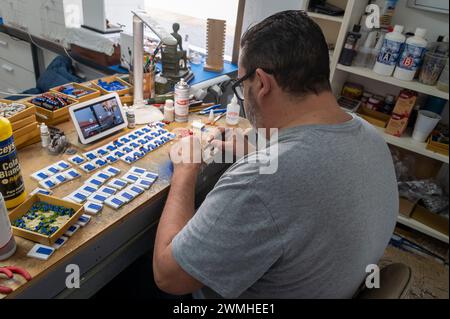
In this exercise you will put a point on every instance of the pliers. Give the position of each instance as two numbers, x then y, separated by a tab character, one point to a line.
9	272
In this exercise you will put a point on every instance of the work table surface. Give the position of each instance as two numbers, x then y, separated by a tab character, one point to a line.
34	158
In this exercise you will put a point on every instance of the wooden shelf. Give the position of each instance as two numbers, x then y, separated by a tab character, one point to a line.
413	85
414	224
338	19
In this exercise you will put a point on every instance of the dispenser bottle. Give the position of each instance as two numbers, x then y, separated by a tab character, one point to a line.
11	182
412	56
233	112
390	52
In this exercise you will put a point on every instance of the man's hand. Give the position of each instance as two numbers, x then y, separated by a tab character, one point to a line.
232	141
186	155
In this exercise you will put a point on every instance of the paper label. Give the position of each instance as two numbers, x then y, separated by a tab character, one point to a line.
411	58
390	52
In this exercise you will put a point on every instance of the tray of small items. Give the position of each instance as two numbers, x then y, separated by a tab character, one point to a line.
17	113
112	84
77	91
52	108
439	140
44	219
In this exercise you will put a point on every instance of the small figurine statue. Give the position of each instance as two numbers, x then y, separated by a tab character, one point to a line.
177	36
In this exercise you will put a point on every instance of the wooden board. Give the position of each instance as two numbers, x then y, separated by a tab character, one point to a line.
25	130
53	117
35	157
30	110
110	79
374	117
216	45
25	139
94	93
39	238
24	122
29	142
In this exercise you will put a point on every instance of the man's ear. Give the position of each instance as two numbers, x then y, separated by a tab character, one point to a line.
264	83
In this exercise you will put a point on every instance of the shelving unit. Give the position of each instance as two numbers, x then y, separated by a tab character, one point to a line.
414	224
334	28
340	74
325	17
406	142
413	85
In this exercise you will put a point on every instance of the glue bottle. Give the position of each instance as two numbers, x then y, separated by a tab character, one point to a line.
233	112
412	56
11	182
390	52
7	241
169	111
45	135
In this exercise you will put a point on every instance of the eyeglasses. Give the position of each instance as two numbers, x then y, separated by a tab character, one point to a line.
238	85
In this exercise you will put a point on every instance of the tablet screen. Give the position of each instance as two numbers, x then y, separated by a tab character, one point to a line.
98	118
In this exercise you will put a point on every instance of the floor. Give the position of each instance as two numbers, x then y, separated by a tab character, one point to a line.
430	276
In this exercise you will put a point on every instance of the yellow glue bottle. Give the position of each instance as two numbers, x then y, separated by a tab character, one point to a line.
11	182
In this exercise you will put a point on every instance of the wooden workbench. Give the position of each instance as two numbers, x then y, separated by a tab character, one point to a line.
102	237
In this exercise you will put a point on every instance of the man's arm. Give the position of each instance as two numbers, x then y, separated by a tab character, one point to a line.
179	210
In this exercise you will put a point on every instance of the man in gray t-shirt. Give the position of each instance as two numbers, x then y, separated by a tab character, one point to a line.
310	228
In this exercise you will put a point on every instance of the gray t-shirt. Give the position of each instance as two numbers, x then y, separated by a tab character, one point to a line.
307	231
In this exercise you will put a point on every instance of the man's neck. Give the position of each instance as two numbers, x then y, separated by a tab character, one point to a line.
320	109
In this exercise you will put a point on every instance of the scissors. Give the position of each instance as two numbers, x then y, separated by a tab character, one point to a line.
9	272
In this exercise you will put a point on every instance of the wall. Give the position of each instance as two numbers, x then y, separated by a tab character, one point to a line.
119	11
258	10
411	18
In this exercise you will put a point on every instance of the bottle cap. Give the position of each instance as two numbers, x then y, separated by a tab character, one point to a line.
421	33
44	128
399	28
169	103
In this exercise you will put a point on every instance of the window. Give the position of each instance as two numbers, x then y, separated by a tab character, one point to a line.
192	16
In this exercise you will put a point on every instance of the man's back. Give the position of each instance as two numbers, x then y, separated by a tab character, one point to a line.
307	231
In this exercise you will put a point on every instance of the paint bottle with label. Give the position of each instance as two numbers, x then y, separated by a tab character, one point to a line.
11	182
412	56
390	52
182	94
349	51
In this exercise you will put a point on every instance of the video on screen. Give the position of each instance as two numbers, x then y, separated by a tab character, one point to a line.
99	118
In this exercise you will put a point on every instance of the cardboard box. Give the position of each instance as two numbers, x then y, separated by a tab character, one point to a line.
434	221
39	238
397	125
405	103
401	113
407	207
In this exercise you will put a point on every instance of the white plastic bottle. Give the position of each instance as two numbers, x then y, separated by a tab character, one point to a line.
7	241
233	112
169	111
45	135
412	56
390	52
